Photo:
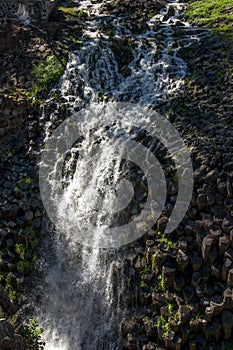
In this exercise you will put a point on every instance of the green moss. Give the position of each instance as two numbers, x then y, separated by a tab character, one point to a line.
73	12
160	284
11	288
21	250
143	284
49	71
25	267
215	14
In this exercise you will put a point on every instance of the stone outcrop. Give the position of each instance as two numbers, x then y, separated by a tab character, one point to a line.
26	9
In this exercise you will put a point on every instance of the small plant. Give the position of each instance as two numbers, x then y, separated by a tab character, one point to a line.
25	267
25	181
21	250
11	288
164	325
32	333
160	283
143	284
49	72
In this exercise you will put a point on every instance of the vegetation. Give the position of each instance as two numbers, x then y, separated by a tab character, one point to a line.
49	72
32	333
46	73
215	14
73	12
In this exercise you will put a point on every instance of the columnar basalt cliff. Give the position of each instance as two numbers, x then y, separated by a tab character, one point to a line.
23	9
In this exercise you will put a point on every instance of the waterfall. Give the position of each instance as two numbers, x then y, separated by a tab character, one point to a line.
81	306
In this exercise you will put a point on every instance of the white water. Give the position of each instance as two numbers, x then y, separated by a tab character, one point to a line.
80	308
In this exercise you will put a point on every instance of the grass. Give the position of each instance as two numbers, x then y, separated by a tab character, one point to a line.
215	14
73	12
46	74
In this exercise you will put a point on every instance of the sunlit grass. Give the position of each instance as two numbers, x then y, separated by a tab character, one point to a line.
73	12
215	14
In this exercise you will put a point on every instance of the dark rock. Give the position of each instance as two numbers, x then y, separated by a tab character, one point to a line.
206	246
179	282
188	293
201	201
230	278
227	224
131	343
149	346
227	324
149	328
196	261
127	326
224	244
182	260
6	303
169	340
168	275
184	314
211	176
16	343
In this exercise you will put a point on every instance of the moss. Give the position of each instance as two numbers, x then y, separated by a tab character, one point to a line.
160	284
49	72
11	287
25	267
213	14
73	12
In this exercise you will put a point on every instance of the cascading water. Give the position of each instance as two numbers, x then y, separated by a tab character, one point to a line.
81	306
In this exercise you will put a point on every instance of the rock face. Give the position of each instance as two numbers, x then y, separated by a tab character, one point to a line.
24	9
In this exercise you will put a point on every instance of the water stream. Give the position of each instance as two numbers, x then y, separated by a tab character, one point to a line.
81	305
